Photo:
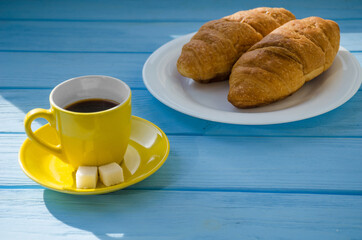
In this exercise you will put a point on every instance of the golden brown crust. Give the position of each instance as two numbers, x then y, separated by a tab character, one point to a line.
283	61
213	50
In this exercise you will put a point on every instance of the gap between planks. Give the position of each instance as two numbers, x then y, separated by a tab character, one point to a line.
101	52
131	20
49	88
229	136
241	190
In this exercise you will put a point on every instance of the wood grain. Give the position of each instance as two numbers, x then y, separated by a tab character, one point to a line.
320	165
118	37
44	214
299	180
47	69
41	69
15	103
179	10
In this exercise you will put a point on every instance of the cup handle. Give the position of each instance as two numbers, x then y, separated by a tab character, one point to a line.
49	116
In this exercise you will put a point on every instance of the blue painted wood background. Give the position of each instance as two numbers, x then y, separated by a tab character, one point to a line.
300	180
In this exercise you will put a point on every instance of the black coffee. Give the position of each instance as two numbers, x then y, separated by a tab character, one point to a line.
91	105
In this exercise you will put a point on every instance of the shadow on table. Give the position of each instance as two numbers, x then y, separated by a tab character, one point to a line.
108	216
113	215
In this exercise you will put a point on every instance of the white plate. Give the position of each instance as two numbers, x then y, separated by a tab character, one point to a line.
209	101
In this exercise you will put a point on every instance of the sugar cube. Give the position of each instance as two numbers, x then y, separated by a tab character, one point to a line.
111	174
86	177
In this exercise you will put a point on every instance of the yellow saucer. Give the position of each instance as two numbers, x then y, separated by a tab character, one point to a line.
147	151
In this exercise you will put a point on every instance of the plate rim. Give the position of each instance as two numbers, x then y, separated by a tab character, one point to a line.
174	105
99	190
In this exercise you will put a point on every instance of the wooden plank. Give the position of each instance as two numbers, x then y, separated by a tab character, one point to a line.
80	36
40	214
320	165
117	36
42	69
46	70
202	10
342	122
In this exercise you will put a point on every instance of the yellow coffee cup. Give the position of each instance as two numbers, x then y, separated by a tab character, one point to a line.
92	138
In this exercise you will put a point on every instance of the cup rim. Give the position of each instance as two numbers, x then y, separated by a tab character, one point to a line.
53	104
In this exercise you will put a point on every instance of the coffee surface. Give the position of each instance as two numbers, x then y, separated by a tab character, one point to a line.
91	105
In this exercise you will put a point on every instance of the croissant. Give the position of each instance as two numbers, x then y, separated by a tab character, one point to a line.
283	61
213	50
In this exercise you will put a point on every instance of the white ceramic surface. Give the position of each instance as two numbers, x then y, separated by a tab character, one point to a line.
209	101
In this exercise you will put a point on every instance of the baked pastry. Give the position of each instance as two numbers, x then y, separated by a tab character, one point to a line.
283	61
213	50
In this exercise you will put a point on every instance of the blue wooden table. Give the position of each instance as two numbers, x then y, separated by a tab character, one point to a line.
300	180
